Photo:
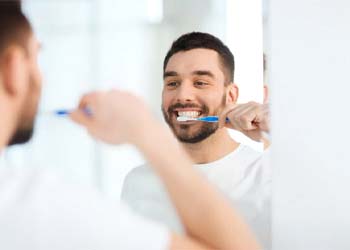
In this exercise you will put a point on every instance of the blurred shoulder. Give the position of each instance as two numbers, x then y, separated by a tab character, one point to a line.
140	181
140	172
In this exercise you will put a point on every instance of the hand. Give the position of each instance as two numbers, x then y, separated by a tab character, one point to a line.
116	116
250	118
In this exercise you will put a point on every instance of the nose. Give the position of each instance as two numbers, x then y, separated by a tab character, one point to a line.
185	93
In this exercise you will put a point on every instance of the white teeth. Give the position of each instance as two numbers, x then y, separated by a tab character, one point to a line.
192	114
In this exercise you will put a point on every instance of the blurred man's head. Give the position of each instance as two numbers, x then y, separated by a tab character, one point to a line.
20	79
198	74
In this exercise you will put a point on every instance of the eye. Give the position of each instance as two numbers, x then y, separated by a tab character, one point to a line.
172	84
200	83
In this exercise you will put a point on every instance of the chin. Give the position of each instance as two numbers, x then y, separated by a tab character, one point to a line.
21	137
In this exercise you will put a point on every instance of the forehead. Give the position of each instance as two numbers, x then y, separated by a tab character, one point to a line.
185	62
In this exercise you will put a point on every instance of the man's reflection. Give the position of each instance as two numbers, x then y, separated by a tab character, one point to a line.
199	81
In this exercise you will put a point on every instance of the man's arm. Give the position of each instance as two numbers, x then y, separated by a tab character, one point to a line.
179	242
209	220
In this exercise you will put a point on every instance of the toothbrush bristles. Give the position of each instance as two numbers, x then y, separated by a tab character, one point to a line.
185	119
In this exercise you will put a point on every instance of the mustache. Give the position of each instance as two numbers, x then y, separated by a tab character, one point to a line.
204	108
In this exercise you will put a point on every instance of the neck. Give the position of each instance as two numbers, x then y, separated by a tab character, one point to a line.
212	148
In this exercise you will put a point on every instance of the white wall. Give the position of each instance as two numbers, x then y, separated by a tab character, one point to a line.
309	70
244	36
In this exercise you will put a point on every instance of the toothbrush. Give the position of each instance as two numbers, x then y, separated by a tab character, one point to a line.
66	112
62	112
202	119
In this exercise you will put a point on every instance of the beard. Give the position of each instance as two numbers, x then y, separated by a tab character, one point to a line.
25	129
21	136
192	133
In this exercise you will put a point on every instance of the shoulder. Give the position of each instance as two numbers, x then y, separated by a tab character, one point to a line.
44	199
255	161
139	173
15	182
140	181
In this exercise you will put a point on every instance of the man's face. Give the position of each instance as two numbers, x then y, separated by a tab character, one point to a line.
194	86
32	77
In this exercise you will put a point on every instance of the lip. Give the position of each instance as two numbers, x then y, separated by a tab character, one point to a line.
187	109
188	122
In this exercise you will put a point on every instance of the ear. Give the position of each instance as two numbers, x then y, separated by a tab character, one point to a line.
232	92
266	93
13	71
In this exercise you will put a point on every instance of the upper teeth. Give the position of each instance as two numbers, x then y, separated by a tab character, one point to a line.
192	114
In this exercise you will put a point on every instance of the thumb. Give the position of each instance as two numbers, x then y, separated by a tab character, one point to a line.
80	117
222	117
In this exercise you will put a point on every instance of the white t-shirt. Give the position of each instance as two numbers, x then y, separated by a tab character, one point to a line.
240	175
38	211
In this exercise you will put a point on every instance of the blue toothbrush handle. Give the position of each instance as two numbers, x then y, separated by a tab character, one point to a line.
65	112
62	112
211	119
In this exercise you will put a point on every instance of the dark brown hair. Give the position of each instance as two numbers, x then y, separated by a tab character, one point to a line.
197	40
14	26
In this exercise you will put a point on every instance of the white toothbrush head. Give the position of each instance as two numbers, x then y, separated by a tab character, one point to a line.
185	119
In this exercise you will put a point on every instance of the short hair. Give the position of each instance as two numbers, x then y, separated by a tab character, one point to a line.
197	40
14	26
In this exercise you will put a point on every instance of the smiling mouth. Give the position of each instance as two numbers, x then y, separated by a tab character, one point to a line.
186	116
189	114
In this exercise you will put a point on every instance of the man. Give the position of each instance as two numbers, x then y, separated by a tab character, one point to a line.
198	81
38	211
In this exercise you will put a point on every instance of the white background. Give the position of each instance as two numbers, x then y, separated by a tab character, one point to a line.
309	73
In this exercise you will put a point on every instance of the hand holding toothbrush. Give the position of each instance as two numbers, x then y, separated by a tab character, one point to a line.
116	116
252	119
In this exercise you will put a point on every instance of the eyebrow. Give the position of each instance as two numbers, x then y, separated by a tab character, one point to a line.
169	74
196	72
203	73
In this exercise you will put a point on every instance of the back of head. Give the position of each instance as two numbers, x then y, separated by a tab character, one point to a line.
15	28
200	40
23	86
10	5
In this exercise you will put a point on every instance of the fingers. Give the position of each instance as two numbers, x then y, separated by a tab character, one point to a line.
89	100
80	115
243	117
222	117
107	118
